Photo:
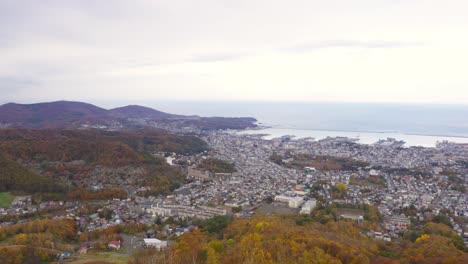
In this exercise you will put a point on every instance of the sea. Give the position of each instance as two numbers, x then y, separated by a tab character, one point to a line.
416	124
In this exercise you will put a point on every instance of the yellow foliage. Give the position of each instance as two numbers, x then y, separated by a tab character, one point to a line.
20	239
252	251
216	245
261	226
422	238
212	257
341	187
433	247
274	239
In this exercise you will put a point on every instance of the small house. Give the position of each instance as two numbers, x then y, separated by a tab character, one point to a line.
114	244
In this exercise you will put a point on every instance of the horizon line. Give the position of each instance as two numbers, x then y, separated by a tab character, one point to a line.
137	101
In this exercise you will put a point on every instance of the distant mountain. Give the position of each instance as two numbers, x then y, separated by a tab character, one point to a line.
50	115
71	115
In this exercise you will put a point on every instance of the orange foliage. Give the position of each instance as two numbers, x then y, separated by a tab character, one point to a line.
63	229
189	248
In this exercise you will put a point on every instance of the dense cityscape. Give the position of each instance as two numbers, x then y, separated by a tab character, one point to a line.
276	177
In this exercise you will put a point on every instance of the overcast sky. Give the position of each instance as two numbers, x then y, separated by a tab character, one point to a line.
360	50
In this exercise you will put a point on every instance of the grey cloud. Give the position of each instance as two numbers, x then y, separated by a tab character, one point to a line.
351	44
12	85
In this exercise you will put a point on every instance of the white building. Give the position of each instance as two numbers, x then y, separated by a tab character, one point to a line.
282	198
158	211
296	202
293	202
182	211
155	243
308	206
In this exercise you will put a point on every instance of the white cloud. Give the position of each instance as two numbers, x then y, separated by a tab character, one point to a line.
365	50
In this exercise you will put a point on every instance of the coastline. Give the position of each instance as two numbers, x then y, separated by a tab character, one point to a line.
363	137
263	126
362	131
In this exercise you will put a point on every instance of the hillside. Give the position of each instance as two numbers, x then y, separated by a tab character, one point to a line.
282	240
92	158
71	115
93	145
37	241
14	177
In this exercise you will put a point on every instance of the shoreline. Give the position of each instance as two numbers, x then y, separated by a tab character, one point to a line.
358	131
367	138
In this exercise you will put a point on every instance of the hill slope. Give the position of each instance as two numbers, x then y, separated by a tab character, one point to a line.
93	158
14	177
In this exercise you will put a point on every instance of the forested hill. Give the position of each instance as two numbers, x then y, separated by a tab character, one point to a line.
34	159
94	145
70	115
14	177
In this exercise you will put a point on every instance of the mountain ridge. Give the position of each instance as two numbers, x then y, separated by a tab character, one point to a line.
73	114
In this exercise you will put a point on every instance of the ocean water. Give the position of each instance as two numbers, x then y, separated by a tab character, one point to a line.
417	124
362	137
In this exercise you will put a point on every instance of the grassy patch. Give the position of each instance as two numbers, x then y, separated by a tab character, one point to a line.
6	199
